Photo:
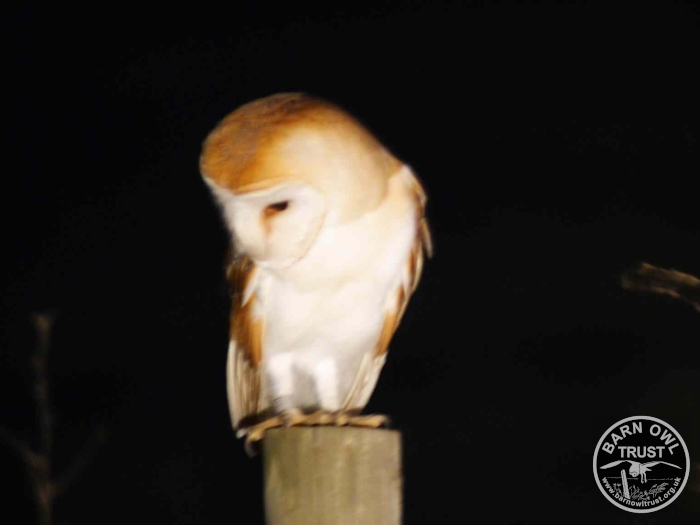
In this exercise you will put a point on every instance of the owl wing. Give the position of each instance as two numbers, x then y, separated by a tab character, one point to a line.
243	375
652	463
372	363
609	465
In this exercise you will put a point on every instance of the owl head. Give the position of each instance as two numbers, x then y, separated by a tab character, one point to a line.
284	167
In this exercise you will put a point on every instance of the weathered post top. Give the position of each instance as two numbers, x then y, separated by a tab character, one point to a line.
332	476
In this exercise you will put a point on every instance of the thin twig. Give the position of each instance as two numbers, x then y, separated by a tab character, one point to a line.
43	485
649	278
38	462
43	324
81	460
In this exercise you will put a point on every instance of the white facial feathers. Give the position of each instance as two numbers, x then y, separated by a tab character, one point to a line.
274	226
295	138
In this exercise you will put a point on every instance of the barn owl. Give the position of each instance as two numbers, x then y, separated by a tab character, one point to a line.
637	468
328	231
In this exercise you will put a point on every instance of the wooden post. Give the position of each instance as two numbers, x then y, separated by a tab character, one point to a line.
625	486
332	476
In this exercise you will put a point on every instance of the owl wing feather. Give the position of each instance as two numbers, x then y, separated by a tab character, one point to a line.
372	363
243	381
614	463
652	463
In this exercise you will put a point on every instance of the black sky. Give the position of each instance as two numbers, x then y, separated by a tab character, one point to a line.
558	146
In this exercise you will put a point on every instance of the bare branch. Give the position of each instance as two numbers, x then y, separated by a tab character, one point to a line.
41	473
38	462
679	285
81	461
649	278
43	322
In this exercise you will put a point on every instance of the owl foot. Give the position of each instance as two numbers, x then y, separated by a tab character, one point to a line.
289	418
292	417
296	418
256	432
342	419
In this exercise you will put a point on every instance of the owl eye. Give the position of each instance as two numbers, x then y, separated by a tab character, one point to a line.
278	206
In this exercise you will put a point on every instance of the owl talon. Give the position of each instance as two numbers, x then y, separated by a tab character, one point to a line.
373	421
248	445
296	418
257	432
341	419
320	417
293	417
255	435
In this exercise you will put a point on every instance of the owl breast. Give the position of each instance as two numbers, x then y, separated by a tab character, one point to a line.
331	304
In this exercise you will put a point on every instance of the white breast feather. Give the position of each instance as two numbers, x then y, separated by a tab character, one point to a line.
332	303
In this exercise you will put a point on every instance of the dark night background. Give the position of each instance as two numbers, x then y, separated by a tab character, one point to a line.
558	146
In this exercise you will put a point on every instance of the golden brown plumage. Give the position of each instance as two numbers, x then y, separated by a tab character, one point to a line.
357	243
